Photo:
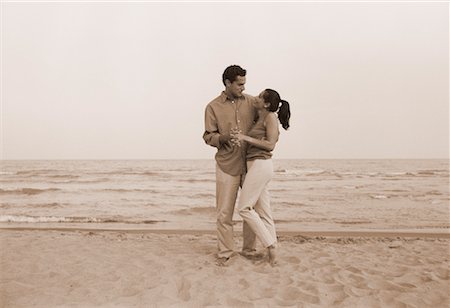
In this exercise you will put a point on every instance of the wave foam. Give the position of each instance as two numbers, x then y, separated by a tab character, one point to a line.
26	191
57	219
36	219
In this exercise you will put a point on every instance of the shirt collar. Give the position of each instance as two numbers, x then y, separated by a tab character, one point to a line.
224	97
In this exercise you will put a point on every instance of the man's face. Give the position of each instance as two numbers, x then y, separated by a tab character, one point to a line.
236	87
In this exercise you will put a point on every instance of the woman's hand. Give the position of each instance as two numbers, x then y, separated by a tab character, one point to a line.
240	137
235	141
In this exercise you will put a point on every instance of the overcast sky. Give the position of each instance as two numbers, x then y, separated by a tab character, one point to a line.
104	80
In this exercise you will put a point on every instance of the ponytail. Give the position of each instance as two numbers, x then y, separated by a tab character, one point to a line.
284	113
276	104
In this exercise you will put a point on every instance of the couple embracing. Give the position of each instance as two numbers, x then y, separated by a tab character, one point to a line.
245	130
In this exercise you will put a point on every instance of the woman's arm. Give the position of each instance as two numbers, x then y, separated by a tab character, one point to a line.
272	133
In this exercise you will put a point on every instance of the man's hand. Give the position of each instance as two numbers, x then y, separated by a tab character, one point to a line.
235	141
224	138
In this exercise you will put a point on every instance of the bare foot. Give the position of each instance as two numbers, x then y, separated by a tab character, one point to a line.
222	261
252	254
273	255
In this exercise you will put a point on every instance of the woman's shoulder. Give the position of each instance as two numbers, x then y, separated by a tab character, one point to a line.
271	117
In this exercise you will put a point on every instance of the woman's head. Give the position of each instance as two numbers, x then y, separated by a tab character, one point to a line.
270	100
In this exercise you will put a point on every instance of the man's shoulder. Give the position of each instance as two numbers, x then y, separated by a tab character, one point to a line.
215	101
248	97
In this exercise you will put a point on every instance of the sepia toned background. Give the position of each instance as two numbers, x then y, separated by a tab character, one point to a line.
95	93
130	80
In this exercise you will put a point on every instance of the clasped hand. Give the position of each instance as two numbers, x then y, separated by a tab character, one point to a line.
236	136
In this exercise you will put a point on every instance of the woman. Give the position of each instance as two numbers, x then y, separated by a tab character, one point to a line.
254	201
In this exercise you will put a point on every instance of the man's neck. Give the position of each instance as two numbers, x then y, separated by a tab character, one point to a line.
230	96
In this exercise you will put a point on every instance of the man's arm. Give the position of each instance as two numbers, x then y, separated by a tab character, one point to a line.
211	134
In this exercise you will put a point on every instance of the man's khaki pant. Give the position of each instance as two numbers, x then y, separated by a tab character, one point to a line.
227	187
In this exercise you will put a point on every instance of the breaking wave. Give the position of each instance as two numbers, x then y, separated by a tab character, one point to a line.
57	219
26	191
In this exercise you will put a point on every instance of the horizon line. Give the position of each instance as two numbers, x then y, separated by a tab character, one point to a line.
212	158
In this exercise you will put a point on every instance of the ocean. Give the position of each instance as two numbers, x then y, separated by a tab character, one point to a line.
180	194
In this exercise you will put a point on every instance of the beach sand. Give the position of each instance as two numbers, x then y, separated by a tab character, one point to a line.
98	268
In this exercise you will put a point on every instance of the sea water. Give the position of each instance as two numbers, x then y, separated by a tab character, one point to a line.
305	194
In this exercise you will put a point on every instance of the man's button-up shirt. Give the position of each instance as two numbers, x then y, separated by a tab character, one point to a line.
221	115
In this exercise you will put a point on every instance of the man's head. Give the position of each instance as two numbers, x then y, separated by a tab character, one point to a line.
234	80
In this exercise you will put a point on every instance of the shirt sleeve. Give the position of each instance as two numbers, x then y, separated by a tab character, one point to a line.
252	100
211	134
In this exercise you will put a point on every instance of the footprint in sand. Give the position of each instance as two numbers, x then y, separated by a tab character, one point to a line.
233	302
112	278
398	271
381	284
407	285
263	268
183	287
334	293
290	294
160	253
326	275
353	269
309	287
442	273
281	280
152	283
268	292
293	260
358	279
256	293
243	284
322	255
348	277
129	292
411	261
356	291
293	296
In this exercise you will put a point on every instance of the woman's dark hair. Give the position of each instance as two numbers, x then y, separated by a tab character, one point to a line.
273	98
231	73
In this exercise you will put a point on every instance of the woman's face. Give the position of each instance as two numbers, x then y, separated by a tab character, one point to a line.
259	102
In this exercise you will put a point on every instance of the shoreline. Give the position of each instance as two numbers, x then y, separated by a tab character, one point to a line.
390	233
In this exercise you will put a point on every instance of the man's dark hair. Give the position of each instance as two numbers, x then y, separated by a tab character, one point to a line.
231	73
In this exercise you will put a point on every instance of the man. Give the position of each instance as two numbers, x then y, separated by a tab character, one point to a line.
231	112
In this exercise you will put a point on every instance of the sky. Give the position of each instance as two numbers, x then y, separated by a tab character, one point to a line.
130	80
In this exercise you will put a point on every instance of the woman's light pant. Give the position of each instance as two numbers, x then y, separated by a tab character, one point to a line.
254	201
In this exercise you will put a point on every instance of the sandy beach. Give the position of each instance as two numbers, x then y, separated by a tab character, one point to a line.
89	268
371	233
